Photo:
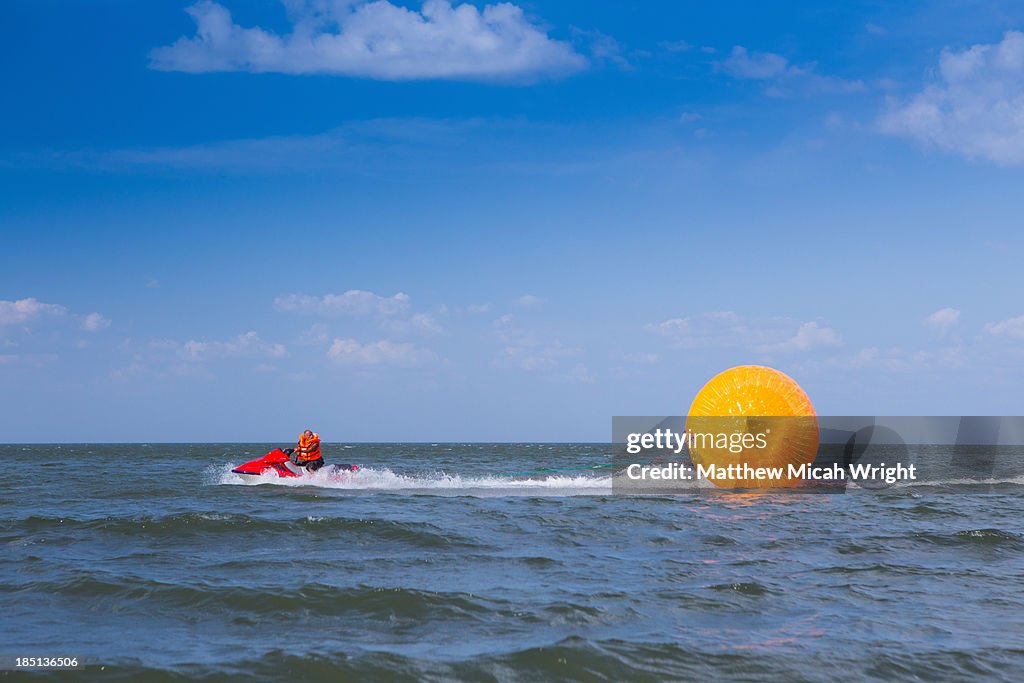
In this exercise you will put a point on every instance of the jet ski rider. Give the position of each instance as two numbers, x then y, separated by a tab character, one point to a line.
307	453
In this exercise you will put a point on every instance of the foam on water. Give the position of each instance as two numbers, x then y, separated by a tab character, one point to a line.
991	481
373	479
441	483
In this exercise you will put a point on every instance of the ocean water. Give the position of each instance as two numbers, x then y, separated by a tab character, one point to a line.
155	563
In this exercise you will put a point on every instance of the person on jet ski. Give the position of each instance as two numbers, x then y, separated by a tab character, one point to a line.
307	453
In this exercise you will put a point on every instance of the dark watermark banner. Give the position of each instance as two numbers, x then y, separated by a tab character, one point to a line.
820	454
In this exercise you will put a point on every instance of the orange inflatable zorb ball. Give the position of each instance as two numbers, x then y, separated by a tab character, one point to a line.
748	425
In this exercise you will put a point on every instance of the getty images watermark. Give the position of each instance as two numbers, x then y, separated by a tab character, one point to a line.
665	454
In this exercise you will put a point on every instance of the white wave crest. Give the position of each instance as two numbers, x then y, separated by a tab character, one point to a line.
373	479
369	479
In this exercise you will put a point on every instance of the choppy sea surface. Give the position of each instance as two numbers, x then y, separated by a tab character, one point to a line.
155	562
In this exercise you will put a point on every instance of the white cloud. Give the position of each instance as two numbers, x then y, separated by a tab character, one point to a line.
278	152
871	357
726	329
602	47
352	302
244	345
949	357
29	360
943	319
94	322
581	373
897	360
528	300
1011	327
530	354
525	349
476	309
675	46
398	148
314	336
808	336
780	73
25	310
129	372
758	65
419	323
426	323
376	40
975	107
383	352
720	328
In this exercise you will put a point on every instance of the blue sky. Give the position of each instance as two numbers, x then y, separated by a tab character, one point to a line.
405	221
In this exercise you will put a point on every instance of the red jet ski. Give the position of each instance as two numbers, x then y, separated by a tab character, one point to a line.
277	462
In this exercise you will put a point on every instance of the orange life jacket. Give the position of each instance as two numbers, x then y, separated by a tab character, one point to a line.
309	447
